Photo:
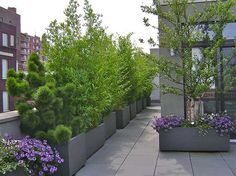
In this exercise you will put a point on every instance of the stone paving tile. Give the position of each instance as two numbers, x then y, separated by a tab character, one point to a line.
209	164
98	170
230	158
117	151
138	165
173	164
134	151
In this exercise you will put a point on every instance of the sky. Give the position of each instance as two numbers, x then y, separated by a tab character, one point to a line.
120	16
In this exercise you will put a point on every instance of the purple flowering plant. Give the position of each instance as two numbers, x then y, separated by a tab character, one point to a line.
167	122
222	124
38	157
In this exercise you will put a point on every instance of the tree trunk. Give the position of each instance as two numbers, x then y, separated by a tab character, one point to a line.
194	109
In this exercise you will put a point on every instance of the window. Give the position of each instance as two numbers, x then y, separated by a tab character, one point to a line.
17	65
4	68
229	31
4	39
12	40
229	56
5	101
203	32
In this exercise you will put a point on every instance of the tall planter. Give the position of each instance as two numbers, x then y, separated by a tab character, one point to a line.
133	110
139	105
144	103
95	139
122	117
74	155
189	139
110	124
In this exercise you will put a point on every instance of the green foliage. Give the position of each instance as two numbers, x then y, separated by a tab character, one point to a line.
181	31
87	75
145	71
62	134
8	162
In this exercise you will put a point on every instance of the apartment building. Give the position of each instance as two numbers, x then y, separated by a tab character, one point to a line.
28	45
10	28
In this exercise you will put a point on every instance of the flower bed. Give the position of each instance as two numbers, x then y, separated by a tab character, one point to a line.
36	156
221	124
208	133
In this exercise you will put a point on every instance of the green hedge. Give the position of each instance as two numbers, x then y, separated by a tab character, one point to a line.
88	74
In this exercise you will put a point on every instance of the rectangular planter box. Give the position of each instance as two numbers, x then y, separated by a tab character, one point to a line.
144	103
110	124
139	105
17	172
133	110
189	139
122	117
74	155
95	139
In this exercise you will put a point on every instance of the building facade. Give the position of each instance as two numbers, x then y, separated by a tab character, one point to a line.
28	45
214	102
9	52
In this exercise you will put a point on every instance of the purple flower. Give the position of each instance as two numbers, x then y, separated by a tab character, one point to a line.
221	123
38	156
167	122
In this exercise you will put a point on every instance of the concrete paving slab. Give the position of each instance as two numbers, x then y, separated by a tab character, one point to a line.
230	158
209	164
173	164
134	151
98	170
138	165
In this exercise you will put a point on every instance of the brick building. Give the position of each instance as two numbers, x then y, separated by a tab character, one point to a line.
10	29
28	45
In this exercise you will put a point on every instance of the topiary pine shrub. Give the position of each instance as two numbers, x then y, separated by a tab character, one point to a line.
45	110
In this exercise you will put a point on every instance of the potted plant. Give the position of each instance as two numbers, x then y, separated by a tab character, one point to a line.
47	111
35	156
9	165
146	70
185	72
208	133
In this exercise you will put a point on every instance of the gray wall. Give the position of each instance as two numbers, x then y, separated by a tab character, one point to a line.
155	96
170	104
10	124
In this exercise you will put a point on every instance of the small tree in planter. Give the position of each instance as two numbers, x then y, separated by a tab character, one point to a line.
180	30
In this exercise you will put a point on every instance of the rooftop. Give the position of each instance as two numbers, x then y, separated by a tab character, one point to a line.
134	151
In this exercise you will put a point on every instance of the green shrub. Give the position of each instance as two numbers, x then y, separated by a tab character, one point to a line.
62	134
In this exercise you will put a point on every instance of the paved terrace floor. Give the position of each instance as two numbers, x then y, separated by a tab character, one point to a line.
133	151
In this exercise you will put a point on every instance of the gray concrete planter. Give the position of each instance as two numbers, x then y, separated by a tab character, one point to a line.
122	117
144	103
17	172
133	110
110	124
139	105
189	139
95	139
74	155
